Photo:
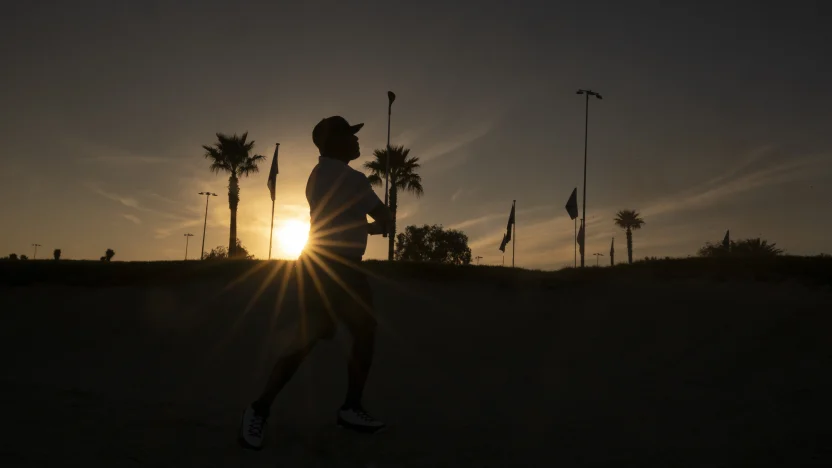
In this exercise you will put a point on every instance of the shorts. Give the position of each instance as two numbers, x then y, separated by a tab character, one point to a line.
334	292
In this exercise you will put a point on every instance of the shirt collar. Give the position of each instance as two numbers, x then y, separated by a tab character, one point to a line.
326	160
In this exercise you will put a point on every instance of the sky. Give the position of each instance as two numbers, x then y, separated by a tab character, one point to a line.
714	116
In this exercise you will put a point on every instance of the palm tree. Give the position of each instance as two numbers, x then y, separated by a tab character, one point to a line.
755	247
232	154
403	176
630	221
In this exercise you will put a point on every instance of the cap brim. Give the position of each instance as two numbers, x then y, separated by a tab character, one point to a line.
355	128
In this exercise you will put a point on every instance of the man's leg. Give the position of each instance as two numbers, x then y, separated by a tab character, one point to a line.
282	372
358	316
253	424
360	361
315	324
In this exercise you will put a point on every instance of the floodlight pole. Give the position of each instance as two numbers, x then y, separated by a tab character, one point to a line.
208	195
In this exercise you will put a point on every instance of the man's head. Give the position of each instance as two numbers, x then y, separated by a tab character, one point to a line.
335	138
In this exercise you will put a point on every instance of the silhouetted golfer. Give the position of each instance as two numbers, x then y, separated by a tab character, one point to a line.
331	277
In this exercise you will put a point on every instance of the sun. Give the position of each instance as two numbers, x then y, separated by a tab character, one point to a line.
291	237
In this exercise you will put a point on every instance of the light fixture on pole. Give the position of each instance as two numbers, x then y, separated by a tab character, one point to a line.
187	238
208	195
478	257
35	257
596	257
391	96
588	93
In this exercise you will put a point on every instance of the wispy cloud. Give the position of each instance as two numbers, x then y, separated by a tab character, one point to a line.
126	201
464	193
722	187
456	142
496	215
133	218
166	231
94	152
131	202
478	220
406	211
125	159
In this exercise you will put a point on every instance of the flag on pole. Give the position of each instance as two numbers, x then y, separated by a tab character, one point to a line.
581	238
572	204
273	172
507	235
726	241
510	223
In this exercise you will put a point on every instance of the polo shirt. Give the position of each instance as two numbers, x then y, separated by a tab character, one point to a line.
340	198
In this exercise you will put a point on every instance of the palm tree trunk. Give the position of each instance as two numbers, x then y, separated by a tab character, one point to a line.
630	245
394	202
233	201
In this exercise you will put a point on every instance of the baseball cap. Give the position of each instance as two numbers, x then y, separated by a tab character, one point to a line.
332	126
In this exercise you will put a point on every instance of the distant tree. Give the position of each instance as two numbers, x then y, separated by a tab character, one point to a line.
57	254
221	253
232	154
713	249
629	220
24	257
433	244
403	176
103	259
109	254
753	247
13	256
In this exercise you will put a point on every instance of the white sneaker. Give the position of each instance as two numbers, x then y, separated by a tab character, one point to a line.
359	420
252	428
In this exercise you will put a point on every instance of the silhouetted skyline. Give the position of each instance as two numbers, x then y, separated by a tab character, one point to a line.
714	117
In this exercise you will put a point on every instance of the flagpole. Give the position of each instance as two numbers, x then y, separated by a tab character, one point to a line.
271	231
588	93
575	240
514	228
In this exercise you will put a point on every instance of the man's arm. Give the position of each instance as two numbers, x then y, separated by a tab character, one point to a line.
369	203
383	219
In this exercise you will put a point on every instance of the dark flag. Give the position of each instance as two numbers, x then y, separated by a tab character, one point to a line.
612	252
273	172
507	235
581	239
572	204
726	241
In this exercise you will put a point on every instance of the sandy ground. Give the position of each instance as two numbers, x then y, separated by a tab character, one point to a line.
683	373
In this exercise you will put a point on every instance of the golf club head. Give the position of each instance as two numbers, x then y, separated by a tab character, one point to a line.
391	96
